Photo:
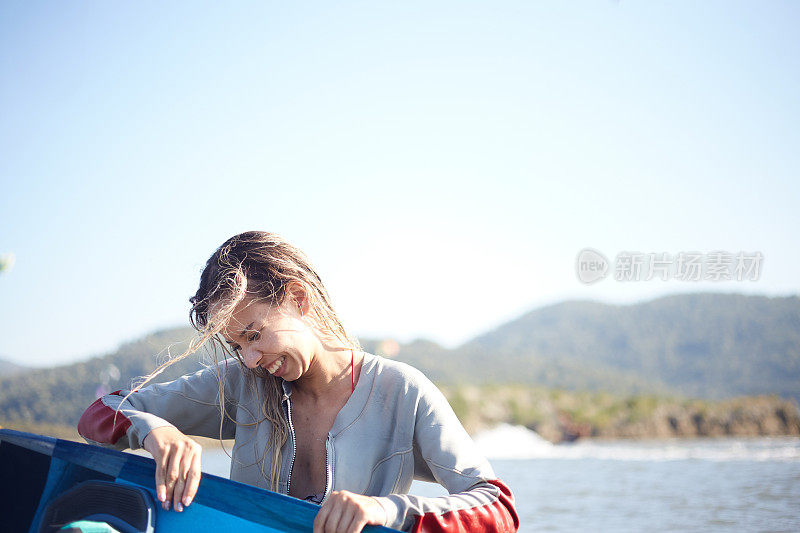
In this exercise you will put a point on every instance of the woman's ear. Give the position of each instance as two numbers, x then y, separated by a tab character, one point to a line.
297	297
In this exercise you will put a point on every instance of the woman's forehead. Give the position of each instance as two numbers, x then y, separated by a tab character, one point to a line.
245	315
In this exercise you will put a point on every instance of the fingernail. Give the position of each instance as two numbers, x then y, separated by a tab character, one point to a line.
179	507
186	502
166	505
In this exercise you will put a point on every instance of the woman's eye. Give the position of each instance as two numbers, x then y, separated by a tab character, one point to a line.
254	337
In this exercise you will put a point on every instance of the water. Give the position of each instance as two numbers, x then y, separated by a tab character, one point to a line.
665	485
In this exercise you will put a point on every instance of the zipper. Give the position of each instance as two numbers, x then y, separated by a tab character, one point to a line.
328	468
294	442
328	447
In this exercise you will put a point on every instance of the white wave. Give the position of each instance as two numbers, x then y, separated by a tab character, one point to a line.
518	442
513	442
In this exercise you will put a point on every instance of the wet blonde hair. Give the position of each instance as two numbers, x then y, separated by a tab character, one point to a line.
260	266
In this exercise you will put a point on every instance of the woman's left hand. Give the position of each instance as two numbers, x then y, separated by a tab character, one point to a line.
348	512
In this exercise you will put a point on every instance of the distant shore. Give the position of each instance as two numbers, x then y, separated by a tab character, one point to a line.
559	415
564	416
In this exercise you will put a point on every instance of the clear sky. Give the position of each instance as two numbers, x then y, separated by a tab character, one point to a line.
442	163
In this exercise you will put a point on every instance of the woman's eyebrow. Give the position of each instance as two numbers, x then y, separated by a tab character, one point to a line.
246	329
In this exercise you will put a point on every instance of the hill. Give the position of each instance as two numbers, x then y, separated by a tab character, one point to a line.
703	345
699	345
59	395
7	368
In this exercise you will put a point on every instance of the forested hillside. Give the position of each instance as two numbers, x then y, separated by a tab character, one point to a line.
705	346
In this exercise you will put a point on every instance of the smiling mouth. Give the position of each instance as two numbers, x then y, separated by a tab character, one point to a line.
276	365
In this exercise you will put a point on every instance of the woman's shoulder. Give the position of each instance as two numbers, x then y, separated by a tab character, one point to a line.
389	372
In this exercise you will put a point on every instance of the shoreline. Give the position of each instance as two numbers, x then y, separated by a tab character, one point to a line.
565	416
70	433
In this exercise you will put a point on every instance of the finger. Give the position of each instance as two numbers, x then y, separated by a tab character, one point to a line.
161	485
162	466
333	519
180	483
177	494
319	521
192	480
172	471
349	518
356	523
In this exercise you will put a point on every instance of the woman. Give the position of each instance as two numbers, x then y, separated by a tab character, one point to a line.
311	414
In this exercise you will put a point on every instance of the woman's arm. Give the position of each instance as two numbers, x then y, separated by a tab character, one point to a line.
157	418
478	501
190	404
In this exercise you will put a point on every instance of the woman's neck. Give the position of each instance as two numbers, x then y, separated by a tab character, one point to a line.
332	372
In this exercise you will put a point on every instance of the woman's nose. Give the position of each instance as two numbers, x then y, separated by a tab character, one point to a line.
251	357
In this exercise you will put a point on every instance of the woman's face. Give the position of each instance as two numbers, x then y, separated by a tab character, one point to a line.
272	337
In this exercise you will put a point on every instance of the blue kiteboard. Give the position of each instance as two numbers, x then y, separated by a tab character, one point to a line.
48	483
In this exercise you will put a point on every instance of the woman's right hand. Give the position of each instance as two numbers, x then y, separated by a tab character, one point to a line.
177	466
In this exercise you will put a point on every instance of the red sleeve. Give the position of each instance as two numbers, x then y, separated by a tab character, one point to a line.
500	516
100	423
